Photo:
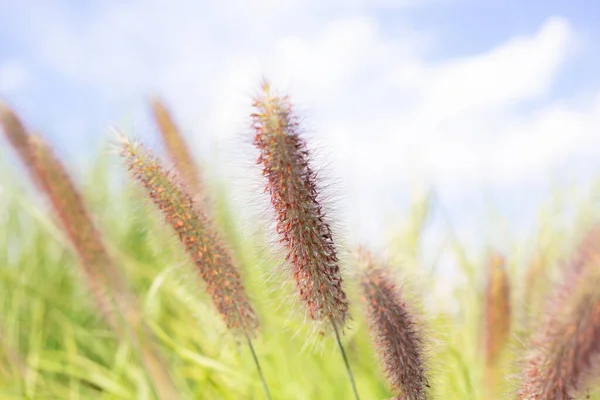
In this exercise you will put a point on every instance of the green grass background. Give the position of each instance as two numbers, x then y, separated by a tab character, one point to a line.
53	344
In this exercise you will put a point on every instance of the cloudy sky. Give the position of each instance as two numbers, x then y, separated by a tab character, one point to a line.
489	102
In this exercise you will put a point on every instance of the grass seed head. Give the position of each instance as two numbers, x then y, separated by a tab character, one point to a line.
195	232
15	132
107	287
566	346
176	147
78	225
497	308
302	225
51	177
394	329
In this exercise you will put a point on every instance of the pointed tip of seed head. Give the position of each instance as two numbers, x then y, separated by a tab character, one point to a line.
157	105
8	118
121	138
265	85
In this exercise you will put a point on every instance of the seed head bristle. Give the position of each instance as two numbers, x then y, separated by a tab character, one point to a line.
497	308
177	148
194	230
302	225
394	329
566	346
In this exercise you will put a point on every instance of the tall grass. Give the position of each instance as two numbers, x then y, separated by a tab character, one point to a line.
503	337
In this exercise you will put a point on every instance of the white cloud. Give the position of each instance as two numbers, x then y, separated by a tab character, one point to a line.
385	114
520	69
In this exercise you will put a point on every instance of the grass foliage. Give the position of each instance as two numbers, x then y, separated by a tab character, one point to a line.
54	343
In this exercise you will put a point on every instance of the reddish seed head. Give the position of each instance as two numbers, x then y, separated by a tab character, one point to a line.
566	345
78	225
51	177
497	308
106	286
15	132
176	147
223	281
395	332
301	221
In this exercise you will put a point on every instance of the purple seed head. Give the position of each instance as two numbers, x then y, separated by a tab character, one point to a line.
396	334
565	347
302	225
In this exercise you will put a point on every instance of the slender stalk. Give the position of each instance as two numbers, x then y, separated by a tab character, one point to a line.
345	357
258	368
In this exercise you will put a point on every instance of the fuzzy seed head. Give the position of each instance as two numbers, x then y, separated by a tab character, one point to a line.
15	132
18	137
77	223
302	225
397	337
51	177
214	264
176	147
106	286
566	347
497	308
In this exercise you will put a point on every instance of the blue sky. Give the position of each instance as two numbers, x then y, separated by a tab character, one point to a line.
489	101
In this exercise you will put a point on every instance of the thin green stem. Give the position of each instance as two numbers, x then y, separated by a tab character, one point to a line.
345	357
260	373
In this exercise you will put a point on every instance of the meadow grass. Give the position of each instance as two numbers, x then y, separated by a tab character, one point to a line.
55	343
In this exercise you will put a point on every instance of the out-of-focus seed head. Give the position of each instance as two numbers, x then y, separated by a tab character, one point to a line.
77	223
15	132
51	177
194	230
393	326
302	225
177	148
565	347
107	287
497	308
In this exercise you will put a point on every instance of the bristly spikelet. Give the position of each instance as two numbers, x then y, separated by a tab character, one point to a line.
77	224
395	331
51	177
106	286
177	148
496	322
15	132
565	349
302	225
223	281
497	309
17	135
